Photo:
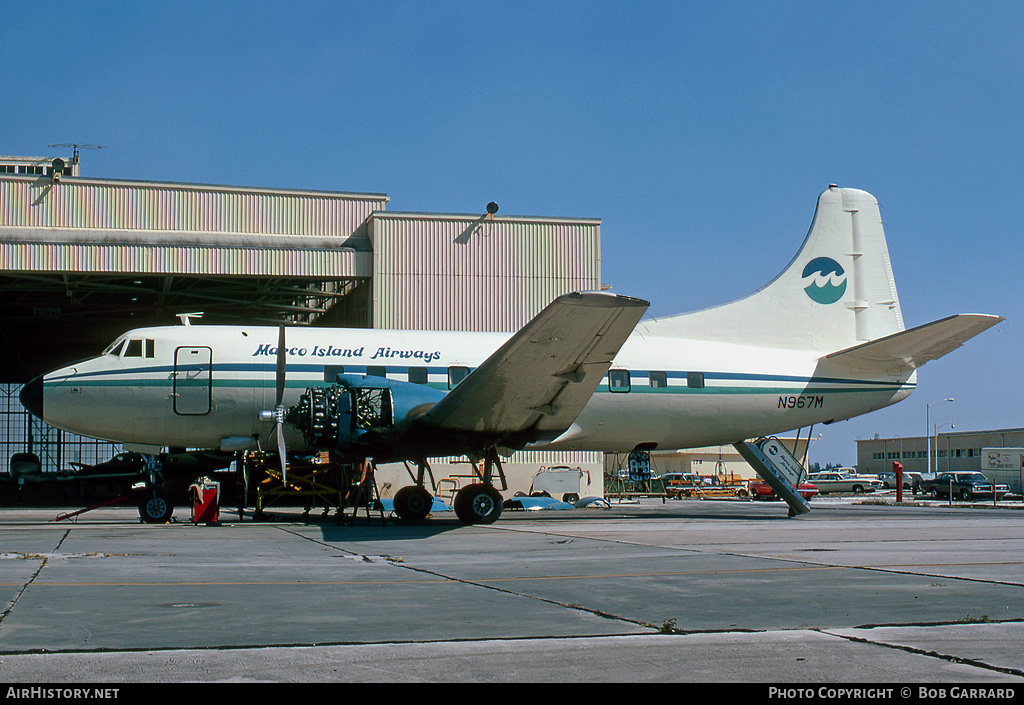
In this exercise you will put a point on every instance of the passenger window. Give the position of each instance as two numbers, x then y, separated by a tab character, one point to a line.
134	349
618	381
456	374
375	371
658	379
695	380
331	372
418	375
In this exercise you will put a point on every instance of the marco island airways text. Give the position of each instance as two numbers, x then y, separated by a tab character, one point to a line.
268	350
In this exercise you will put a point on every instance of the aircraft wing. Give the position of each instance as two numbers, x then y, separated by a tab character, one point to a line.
909	349
542	377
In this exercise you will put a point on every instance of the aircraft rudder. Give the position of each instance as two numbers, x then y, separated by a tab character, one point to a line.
837	291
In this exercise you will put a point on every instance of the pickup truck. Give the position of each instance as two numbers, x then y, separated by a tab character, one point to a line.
964	485
678	485
844	482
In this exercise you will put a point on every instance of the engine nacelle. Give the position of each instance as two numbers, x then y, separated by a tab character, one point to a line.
359	412
319	415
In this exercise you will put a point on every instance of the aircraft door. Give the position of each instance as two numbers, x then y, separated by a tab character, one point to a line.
193	370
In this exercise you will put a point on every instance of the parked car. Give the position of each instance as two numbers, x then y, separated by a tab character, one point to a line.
914	478
964	485
889	480
679	478
759	489
836	481
680	484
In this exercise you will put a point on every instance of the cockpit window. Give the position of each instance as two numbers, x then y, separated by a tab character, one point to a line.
136	348
141	347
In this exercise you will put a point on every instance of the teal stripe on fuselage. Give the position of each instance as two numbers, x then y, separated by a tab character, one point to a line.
806	385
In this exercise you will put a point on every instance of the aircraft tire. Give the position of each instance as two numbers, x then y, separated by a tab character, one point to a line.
155	507
478	504
413	503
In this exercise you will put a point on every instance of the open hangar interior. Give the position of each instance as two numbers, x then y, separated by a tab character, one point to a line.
84	259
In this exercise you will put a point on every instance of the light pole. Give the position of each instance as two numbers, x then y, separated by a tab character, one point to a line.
935	433
928	430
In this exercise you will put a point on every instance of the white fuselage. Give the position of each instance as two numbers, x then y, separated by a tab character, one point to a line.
204	386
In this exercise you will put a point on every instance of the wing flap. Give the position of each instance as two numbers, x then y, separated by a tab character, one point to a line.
909	349
543	376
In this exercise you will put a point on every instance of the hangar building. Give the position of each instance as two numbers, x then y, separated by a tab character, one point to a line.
82	259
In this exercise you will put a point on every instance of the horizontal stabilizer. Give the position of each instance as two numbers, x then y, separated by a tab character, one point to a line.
544	375
909	349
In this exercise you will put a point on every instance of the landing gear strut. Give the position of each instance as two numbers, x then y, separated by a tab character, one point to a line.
155	506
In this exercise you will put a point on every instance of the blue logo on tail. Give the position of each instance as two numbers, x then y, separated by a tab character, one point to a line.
827	280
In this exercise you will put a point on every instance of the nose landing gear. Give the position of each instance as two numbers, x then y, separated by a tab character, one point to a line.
155	507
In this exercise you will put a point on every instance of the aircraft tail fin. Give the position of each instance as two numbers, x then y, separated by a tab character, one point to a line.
837	292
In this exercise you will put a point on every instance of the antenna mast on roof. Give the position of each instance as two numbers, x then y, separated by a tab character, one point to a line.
76	147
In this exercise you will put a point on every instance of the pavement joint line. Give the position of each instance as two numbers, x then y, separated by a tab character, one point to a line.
900	570
35	574
931	654
479	584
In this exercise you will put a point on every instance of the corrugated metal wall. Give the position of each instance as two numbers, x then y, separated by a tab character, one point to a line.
198	261
454	272
465	272
111	205
86	225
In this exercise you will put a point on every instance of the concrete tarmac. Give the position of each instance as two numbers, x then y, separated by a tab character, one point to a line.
688	591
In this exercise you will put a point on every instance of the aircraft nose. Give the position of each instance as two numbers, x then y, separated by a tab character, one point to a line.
32	397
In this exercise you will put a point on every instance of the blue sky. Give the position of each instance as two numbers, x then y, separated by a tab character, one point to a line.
699	133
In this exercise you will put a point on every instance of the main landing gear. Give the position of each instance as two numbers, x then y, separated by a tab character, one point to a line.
478	503
413	503
481	503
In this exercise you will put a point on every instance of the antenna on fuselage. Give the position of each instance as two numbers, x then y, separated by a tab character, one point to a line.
186	318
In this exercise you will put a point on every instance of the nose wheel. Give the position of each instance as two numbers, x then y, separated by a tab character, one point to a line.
155	507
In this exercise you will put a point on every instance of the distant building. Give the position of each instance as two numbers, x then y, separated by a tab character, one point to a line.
38	166
956	450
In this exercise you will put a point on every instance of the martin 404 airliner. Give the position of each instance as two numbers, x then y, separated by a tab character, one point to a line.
822	342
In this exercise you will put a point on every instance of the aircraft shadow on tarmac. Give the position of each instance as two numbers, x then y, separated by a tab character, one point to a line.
390	528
